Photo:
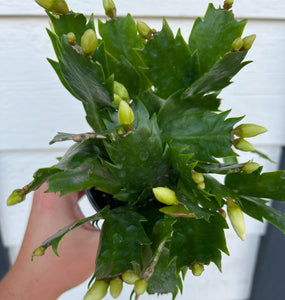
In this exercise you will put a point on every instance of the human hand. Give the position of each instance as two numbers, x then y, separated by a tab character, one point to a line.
47	277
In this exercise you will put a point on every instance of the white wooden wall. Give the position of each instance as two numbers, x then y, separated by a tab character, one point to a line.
34	106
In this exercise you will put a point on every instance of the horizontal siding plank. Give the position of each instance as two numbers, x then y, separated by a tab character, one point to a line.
35	105
178	8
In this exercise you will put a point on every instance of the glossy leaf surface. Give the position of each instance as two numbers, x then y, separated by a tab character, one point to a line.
138	161
122	238
259	209
170	65
265	185
213	36
164	279
210	135
198	241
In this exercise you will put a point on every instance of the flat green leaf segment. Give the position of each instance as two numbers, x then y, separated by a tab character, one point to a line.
164	279
177	105
82	76
170	65
208	135
89	174
188	193
139	161
121	39
78	169
250	188
266	185
258	209
212	37
54	240
121	242
74	22
219	76
198	241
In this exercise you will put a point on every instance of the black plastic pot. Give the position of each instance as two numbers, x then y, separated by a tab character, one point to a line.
100	199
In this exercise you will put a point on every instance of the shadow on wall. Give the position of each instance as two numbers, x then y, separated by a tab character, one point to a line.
268	280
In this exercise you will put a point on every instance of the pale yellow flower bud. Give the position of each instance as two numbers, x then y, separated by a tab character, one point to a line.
243	145
237	44
165	195
89	42
126	116
144	30
116	286
40	251
198	178
97	291
140	286
121	91
250	167
16	196
110	8
130	277
201	186
249	130
197	269
248	41
71	38
117	100
236	217
56	6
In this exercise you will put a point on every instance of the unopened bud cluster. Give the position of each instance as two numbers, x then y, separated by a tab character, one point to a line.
88	43
126	116
198	178
244	44
140	285
100	287
120	93
246	131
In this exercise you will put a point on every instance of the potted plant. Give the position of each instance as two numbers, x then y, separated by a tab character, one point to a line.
157	139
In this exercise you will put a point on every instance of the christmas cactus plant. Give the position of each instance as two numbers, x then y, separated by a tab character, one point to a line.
157	138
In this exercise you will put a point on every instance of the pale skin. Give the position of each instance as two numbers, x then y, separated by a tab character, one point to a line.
48	276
